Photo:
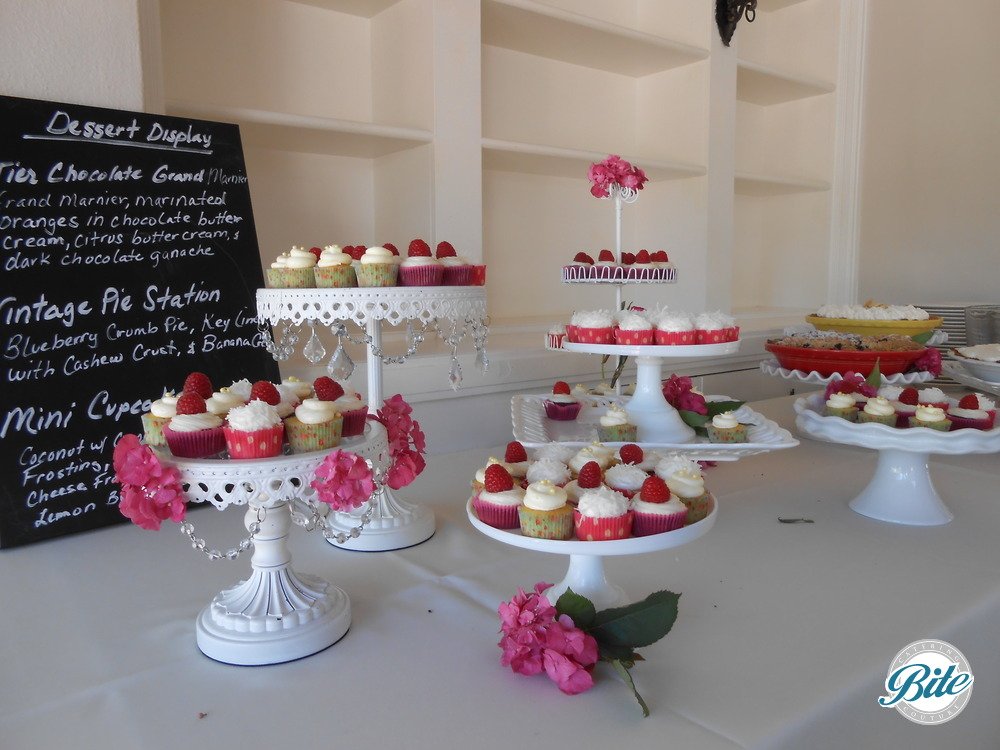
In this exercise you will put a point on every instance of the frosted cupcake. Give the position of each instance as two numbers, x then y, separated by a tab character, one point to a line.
879	411
590	478
588	453
193	432
254	431
934	397
633	455
973	412
301	388
335	269
549	470
316	425
354	411
287	400
930	416
715	328
561	405
241	388
159	415
842	405
293	270
633	330
614	427
222	401
591	327
377	268
602	515
726	428
497	503
516	458
457	270
555	451
655	510
544	512
420	269
673	463
555	337
675	329
689	487
626	479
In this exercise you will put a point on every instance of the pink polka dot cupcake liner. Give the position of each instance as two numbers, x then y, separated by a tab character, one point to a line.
256	444
602	529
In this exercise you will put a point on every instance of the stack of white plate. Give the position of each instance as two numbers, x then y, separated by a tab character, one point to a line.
953	317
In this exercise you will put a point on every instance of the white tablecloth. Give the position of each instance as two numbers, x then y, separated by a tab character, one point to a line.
783	639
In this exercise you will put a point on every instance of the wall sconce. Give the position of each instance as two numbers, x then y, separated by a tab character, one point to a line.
729	12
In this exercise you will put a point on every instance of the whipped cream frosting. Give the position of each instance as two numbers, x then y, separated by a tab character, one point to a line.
543	495
714	321
929	413
288	402
165	406
299	257
631	321
686	484
377	254
333	255
840	401
725	421
674	322
625	477
614	417
315	411
879	407
561	398
592	319
602	503
194	422
301	388
587	454
673	505
454	261
222	401
241	388
548	469
513	496
931	396
556	452
670	465
281	261
890	392
349	402
875	312
957	411
417	261
257	415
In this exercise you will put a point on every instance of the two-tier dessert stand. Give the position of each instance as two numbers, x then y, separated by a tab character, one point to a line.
461	310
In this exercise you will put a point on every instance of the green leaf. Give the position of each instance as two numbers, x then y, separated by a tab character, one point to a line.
624	654
623	671
638	624
923	338
580	609
719	407
693	418
875	378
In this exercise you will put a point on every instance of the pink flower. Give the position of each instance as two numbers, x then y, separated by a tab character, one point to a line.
929	361
407	467
614	171
692	401
343	481
674	387
569	675
850	382
406	441
150	492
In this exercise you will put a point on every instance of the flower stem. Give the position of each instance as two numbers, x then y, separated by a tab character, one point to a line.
623	671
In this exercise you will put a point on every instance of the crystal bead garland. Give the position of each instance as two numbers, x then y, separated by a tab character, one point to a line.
455	373
341	366
314	350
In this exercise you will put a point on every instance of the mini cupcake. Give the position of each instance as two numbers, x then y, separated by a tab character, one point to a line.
934	397
592	327
715	328
550	470
655	510
419	268
316	425
675	329
971	414
634	330
602	515
222	401
626	479
193	432
159	415
516	458
607	267
561	406
555	337
544	512
287	400
301	388
335	269
254	431
479	481
582	267
842	405
661	262
353	409
596	452
614	427
933	417
632	455
457	270
673	463
726	428
293	270
241	388
376	268
556	451
879	411
689	487
590	478
498	502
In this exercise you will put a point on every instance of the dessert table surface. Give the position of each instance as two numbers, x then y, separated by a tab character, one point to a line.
784	635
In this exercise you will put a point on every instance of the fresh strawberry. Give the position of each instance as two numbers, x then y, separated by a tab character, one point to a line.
628	259
317	251
419	249
909	396
497	479
660	256
190	403
970	401
606	256
583	258
590	476
327	389
561	387
654	490
515	453
198	382
631	454
264	391
642	256
391	248
446	250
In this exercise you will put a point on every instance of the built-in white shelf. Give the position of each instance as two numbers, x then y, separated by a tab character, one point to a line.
752	183
772	5
759	84
526	158
363	8
545	31
320	135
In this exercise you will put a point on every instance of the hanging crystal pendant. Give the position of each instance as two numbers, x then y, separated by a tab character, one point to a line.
455	374
482	361
314	350
340	366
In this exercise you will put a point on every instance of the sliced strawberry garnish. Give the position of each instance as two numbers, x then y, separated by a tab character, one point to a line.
583	258
654	490
419	249
590	476
317	251
446	250
515	453
607	256
391	248
191	403
497	479
628	259
909	396
970	401
327	389
631	454
560	387
642	256
198	382
265	391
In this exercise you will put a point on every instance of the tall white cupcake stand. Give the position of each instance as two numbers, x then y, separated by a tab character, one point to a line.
395	523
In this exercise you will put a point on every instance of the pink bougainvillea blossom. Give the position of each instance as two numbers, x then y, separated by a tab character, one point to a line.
407	442
150	492
343	481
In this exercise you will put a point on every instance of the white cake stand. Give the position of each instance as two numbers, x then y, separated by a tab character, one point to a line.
658	421
395	523
772	368
277	614
585	574
957	372
901	490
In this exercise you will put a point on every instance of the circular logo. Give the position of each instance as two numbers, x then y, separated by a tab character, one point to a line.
929	682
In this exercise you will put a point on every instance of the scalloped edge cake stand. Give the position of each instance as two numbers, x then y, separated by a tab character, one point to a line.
277	614
772	368
395	524
585	574
901	490
658	421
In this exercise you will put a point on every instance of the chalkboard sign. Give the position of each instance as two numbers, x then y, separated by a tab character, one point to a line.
129	259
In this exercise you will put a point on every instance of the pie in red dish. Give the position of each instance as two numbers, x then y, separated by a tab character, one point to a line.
831	361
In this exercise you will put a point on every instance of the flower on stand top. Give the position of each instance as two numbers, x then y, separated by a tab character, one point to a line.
929	361
343	481
150	492
692	406
567	639
406	442
614	171
852	382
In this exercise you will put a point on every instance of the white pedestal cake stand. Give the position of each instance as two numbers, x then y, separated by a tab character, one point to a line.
658	421
395	523
277	614
901	490
585	574
772	368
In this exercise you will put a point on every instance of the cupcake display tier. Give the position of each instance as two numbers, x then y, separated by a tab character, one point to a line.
533	429
277	614
959	374
576	275
585	574
901	491
772	368
395	524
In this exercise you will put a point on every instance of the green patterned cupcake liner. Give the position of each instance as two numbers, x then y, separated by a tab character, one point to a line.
726	435
546	524
377	274
335	277
698	507
152	427
619	433
886	419
291	278
305	438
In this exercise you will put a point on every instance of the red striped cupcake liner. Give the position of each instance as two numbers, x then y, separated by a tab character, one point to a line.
430	275
457	276
354	422
197	444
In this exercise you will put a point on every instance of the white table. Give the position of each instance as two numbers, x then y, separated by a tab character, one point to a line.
783	639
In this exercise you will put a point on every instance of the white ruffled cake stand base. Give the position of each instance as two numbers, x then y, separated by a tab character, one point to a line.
901	491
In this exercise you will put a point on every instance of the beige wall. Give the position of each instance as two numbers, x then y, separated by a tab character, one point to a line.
930	200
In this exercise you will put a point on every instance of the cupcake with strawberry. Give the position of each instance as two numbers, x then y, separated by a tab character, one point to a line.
634	329
625	479
457	269
544	512
194	432
582	267
497	503
255	430
633	455
515	457
590	477
420	268
642	267
905	406
561	405
602	515
351	407
607	267
970	414
316	424
655	510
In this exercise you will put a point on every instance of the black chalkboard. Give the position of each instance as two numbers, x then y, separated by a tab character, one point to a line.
129	259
